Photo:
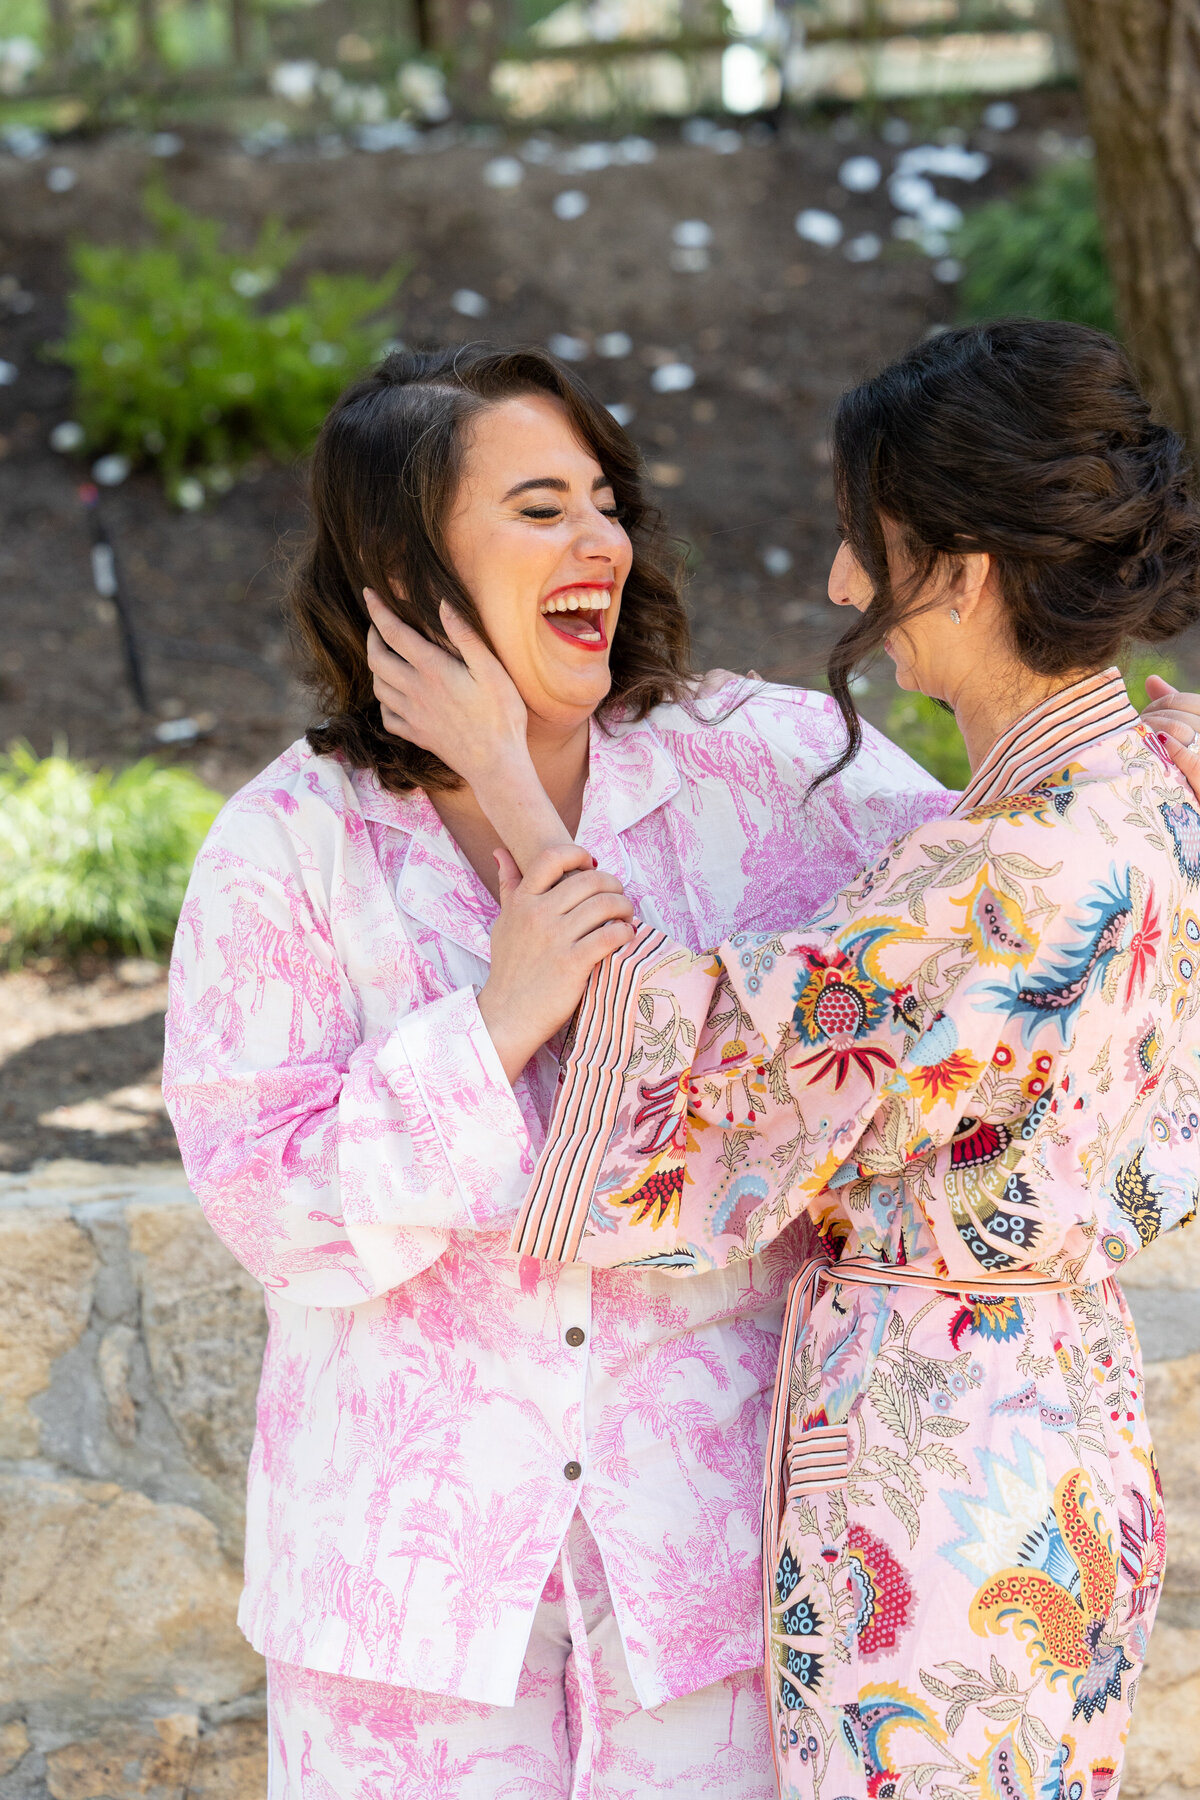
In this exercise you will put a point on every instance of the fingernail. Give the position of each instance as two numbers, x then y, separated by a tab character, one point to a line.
595	864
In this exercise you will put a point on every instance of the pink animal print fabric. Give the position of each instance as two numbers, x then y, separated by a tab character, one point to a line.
434	1409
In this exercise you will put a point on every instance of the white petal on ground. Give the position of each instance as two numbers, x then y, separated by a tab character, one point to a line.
864	248
1001	115
467	302
819	227
566	347
860	174
692	234
110	471
673	378
572	203
503	172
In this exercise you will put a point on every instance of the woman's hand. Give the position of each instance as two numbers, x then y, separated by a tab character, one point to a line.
555	925
1176	719
469	713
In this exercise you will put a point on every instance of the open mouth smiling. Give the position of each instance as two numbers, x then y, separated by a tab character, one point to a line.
577	614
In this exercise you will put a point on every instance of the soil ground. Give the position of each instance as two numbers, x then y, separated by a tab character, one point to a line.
774	330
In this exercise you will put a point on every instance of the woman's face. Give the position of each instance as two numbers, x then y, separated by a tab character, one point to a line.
928	649
534	537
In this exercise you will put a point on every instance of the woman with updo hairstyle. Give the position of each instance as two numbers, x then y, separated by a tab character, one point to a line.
503	1522
974	1072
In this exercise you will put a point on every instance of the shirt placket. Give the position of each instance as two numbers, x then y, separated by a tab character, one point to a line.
574	1311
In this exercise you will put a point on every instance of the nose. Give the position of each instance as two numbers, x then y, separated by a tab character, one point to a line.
841	576
602	539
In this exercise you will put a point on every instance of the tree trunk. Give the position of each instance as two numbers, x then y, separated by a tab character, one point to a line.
1139	65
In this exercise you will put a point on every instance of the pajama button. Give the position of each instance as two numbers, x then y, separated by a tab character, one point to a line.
575	1336
573	1471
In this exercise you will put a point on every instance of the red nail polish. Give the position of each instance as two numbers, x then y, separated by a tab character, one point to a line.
595	864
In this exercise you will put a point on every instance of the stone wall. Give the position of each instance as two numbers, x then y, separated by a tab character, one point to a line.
129	1351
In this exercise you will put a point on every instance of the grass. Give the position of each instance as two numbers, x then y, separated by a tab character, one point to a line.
92	860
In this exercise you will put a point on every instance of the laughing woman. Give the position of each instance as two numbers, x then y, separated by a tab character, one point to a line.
976	1072
503	1516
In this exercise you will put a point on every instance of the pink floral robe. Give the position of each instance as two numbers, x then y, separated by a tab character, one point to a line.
978	1073
434	1409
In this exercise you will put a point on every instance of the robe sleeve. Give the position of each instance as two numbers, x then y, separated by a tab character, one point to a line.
705	1102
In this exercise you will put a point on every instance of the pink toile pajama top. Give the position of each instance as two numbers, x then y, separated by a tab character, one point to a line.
433	1409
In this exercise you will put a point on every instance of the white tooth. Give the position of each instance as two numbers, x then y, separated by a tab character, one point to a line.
573	602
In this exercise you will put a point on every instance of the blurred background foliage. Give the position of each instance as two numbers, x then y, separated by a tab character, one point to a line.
178	363
1040	255
92	860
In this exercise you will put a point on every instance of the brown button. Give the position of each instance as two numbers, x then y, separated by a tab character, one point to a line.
573	1470
575	1336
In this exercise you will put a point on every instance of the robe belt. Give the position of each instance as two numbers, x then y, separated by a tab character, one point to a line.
869	1273
817	1459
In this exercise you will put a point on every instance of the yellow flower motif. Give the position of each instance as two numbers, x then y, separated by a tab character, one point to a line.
995	925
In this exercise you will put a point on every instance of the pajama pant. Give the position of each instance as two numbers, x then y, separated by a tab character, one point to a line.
577	1731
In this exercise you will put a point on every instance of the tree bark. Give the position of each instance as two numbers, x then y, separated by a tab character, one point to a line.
1139	65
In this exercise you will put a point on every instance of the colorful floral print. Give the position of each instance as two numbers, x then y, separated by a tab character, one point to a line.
964	1540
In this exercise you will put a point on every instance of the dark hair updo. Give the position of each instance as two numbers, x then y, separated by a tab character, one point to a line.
1032	441
384	475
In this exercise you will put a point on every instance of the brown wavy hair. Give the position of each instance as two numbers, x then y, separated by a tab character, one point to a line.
1030	440
384	475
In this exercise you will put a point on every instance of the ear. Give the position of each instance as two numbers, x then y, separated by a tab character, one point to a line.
972	583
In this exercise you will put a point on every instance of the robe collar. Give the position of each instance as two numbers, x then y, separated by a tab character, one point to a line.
631	773
1048	737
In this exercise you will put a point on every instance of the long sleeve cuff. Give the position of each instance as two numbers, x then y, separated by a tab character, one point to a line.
468	1136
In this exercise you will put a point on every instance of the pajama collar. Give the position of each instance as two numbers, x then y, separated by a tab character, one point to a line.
1048	737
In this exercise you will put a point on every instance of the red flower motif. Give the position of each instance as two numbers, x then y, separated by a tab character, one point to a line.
1143	950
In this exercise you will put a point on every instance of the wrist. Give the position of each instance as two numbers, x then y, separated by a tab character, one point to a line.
511	1046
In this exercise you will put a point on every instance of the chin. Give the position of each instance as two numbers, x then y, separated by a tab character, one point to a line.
569	700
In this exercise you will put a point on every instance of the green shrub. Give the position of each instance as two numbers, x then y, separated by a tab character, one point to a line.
1040	255
932	738
89	859
177	365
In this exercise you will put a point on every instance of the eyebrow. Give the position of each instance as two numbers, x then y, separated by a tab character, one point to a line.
555	482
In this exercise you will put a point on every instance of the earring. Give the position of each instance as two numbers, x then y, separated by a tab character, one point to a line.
954	616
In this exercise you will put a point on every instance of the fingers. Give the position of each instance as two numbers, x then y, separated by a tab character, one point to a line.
549	866
1158	689
604	940
464	637
1173	726
598	910
398	638
385	665
1186	757
510	875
